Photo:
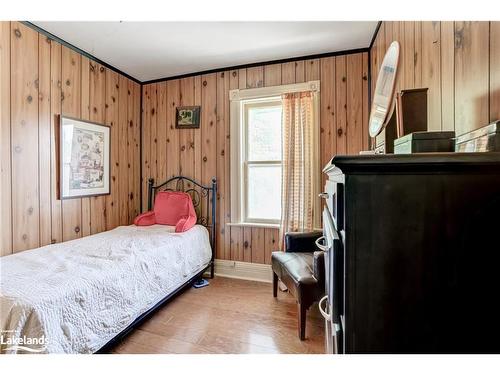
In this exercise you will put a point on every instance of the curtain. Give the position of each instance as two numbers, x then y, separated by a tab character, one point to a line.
298	176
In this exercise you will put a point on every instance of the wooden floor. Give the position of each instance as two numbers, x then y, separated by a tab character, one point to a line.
229	316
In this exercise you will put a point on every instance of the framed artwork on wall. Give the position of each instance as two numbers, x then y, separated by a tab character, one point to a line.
84	158
187	117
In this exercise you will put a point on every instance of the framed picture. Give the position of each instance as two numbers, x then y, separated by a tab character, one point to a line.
187	117
84	158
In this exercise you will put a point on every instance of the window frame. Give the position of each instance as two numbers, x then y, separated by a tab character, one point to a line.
237	179
246	105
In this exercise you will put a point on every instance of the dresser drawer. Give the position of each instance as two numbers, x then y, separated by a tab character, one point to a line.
334	268
334	197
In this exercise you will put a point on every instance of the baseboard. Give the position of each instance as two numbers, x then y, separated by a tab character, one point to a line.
244	270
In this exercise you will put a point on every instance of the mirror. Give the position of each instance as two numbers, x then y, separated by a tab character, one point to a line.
383	98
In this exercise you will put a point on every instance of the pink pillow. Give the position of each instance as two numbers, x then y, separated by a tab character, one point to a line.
171	208
145	219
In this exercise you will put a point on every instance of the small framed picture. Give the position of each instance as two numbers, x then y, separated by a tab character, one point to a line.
84	158
187	117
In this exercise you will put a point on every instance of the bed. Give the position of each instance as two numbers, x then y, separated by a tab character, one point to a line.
85	295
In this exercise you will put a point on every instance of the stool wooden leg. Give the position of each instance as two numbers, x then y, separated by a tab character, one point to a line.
275	285
302	321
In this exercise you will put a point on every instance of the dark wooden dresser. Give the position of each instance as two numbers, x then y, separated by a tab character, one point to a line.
413	260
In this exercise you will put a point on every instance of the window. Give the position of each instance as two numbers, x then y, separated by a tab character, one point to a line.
261	160
256	155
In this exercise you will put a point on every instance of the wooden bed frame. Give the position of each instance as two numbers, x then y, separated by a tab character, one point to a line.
204	201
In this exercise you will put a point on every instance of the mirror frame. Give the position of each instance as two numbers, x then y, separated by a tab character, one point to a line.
390	107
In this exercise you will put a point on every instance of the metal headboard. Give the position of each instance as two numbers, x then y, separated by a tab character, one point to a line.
204	202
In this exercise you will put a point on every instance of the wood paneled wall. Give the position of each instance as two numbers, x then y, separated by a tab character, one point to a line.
459	63
40	79
204	153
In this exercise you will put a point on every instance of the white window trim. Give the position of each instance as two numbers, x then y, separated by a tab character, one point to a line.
244	164
236	98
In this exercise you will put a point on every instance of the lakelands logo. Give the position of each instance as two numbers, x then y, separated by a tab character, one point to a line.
12	343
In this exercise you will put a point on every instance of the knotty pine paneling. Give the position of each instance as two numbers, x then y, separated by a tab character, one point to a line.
236	242
380	42
204	153
447	75
222	143
417	55
173	139
112	115
44	125
288	72
457	61
228	231
97	114
354	104
311	70
328	133
471	75
366	103
197	134
24	137
408	46
133	139
85	115
247	244
39	80
398	34
300	73
145	149
431	72
341	103
55	109
161	97
272	75
186	158
258	245
255	77
494	73
271	240
124	158
5	149
153	141
71	106
208	129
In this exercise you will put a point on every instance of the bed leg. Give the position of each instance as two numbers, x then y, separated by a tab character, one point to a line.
212	269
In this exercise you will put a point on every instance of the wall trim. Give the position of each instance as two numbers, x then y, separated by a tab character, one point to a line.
262	92
140	150
261	63
375	33
192	74
243	270
78	50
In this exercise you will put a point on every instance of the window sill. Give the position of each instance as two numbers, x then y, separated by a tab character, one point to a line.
255	225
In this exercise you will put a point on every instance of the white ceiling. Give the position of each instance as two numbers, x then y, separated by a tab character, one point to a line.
151	50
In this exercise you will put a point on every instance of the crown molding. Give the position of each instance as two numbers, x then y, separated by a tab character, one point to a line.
78	50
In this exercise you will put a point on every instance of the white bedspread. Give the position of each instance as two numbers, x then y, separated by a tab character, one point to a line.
79	294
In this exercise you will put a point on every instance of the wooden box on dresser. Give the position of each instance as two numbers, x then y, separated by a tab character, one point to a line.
413	253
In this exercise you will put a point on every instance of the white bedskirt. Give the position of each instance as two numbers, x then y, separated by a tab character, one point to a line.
77	295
